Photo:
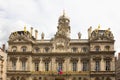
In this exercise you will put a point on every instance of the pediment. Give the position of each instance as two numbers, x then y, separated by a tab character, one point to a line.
101	35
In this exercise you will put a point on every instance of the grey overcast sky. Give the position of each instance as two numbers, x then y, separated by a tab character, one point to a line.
43	15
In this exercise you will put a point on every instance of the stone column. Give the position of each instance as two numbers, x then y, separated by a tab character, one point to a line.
112	64
18	65
92	64
79	65
102	65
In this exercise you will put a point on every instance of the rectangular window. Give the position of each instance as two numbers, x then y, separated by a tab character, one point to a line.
23	65
14	65
46	66
60	66
74	66
107	65
97	65
85	65
36	66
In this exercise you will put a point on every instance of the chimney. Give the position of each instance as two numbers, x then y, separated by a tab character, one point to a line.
31	31
36	34
3	47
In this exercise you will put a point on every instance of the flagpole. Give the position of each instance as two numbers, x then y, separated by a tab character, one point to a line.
66	68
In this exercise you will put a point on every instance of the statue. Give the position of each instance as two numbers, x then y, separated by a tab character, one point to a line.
79	35
42	36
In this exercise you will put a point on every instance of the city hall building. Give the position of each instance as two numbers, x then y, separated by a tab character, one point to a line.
61	58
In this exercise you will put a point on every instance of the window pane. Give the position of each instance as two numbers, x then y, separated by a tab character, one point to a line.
97	48
46	66
74	66
14	65
36	66
23	65
107	65
60	65
85	66
97	65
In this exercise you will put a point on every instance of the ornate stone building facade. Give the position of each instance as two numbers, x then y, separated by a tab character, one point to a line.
61	58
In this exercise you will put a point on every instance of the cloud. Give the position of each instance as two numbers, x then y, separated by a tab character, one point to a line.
43	15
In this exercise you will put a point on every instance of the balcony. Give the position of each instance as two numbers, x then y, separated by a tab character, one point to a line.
102	72
17	72
55	73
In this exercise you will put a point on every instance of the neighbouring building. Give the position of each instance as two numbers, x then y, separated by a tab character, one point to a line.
118	67
61	58
3	61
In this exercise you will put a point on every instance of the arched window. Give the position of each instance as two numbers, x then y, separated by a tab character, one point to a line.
24	49
97	48
14	49
107	48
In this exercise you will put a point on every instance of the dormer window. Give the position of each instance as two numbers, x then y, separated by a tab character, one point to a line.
37	50
107	48
46	49
84	49
24	48
74	49
97	48
14	49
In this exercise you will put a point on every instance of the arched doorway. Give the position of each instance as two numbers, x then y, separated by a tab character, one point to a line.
85	79
22	78
12	78
97	78
108	78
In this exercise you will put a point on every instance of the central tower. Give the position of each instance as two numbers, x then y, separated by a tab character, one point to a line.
62	36
63	26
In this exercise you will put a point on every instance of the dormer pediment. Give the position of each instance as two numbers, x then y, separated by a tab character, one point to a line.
21	36
101	35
